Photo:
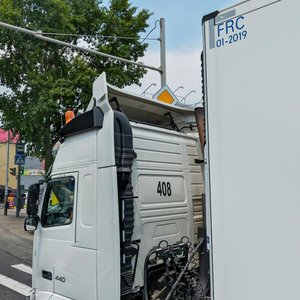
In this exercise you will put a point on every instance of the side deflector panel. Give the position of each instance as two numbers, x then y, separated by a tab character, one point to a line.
253	108
124	156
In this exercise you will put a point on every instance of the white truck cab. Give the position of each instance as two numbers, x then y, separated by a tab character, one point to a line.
122	207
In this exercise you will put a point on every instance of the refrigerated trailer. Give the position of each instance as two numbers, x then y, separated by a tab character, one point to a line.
251	86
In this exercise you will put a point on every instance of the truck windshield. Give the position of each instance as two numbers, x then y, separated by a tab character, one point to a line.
59	202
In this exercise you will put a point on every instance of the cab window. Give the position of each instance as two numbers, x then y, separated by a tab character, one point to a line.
59	202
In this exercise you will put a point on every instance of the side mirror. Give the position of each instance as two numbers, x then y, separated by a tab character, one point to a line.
33	199
31	223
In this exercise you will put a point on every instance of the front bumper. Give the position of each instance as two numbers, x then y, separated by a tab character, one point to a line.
42	295
39	295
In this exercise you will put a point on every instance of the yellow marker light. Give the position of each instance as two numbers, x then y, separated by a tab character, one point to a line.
69	115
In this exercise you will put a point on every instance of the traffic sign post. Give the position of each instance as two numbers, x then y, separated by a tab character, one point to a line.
19	160
18	206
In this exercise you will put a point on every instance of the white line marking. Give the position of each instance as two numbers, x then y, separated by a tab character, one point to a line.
15	285
23	268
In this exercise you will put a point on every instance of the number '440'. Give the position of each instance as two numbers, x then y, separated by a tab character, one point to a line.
164	188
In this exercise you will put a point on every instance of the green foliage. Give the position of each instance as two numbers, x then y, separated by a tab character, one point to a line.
41	76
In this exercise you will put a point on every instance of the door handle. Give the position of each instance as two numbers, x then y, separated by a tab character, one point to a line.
47	275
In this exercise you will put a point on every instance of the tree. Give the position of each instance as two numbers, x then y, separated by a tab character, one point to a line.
42	79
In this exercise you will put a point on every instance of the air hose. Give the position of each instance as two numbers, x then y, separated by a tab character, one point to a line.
183	271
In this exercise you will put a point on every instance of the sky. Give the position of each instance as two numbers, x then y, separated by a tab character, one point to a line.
183	44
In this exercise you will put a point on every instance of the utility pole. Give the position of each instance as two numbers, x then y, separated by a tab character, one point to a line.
163	64
6	174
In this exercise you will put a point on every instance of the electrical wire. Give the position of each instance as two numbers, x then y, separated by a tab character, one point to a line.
157	21
101	36
169	296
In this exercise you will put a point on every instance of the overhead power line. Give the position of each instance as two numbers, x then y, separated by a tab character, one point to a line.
101	36
39	35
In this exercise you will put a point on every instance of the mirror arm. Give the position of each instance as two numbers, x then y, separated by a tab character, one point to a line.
25	224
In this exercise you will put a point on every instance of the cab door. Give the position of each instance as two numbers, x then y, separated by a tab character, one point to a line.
60	265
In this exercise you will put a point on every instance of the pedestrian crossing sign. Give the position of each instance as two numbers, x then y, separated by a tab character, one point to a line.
19	159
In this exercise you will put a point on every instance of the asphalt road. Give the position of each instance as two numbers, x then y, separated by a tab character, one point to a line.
15	257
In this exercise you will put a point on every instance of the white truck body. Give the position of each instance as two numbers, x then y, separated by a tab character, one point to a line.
81	260
252	71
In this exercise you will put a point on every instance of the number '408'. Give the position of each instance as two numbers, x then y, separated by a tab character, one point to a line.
164	188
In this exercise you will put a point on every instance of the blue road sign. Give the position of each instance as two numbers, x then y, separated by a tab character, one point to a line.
19	159
20	148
